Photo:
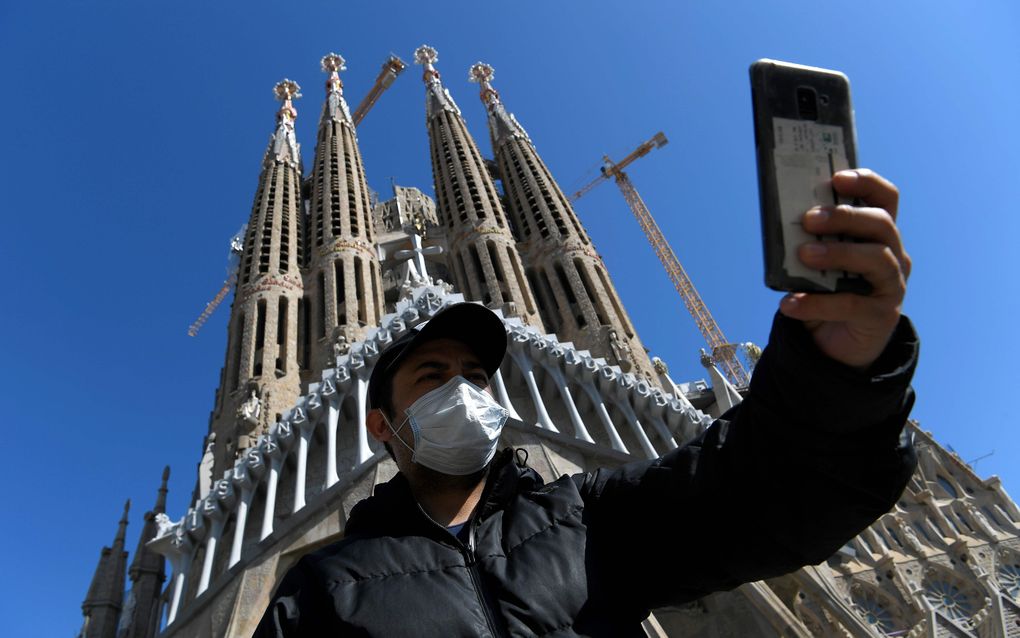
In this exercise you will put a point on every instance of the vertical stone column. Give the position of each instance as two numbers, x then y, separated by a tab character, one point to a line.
483	253
262	376
343	282
575	296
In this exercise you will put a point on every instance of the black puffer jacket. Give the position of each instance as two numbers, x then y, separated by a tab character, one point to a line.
811	457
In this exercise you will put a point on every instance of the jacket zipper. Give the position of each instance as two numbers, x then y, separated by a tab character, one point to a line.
476	580
472	566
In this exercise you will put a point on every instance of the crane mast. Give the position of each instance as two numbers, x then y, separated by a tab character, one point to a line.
723	352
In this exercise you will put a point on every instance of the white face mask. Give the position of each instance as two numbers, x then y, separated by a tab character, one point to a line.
456	427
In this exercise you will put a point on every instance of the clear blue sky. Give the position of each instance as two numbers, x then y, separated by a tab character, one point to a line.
134	133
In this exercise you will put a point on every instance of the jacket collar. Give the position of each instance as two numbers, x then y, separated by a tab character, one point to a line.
392	509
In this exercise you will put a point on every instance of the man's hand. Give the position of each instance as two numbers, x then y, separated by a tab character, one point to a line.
855	329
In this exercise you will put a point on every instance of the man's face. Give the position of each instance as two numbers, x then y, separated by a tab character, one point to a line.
430	365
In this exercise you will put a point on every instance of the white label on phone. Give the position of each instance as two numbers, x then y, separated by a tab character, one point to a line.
806	154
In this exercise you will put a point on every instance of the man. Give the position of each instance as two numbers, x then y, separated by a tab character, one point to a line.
467	542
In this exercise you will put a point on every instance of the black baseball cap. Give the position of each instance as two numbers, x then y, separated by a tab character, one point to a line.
472	324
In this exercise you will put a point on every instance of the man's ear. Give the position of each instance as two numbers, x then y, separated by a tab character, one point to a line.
377	427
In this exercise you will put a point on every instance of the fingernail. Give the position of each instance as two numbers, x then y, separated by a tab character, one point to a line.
851	174
814	249
817	214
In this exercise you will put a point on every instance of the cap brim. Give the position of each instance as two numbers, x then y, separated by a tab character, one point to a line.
474	325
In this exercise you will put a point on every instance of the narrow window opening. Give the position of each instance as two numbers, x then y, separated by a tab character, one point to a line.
375	289
548	314
568	291
341	293
497	268
281	337
322	304
359	292
589	289
260	335
555	309
521	282
303	336
482	280
616	303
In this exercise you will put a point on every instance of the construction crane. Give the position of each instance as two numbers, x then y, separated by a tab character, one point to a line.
233	264
723	352
391	68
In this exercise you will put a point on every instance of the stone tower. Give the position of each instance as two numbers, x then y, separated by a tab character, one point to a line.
140	617
576	298
343	281
261	377
482	250
106	593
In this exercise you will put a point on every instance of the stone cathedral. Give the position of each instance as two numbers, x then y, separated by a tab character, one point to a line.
328	276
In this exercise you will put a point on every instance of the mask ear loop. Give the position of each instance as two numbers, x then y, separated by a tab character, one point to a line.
395	435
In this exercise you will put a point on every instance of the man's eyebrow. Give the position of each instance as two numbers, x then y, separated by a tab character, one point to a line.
433	364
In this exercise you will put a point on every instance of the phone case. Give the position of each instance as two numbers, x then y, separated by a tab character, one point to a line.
804	132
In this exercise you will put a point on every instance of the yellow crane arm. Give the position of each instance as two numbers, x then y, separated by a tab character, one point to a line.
611	168
723	352
393	67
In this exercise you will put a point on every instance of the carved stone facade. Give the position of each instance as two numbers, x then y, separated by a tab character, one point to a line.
288	454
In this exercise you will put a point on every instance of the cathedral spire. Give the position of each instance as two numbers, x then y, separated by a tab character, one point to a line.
140	615
343	284
575	297
122	526
437	97
483	252
260	377
102	605
161	498
283	146
336	106
502	123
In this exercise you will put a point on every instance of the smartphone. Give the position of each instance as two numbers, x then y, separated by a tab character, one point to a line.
804	132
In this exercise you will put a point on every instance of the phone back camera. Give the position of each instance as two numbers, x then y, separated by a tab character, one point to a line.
807	103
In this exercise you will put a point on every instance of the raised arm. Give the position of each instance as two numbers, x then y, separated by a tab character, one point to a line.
813	455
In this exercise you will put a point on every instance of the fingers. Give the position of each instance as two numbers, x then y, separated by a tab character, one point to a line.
877	263
839	307
869	187
872	224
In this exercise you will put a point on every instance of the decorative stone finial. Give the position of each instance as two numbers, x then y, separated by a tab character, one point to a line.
286	90
122	526
660	366
483	73
333	62
425	55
